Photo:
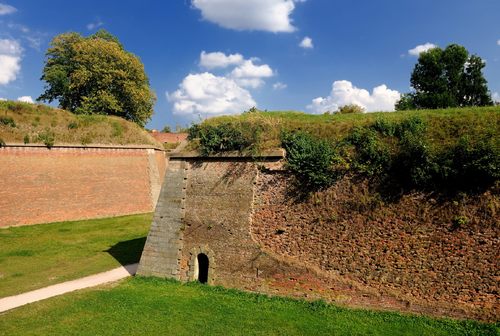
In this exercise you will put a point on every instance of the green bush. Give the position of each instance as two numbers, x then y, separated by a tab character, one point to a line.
473	164
311	160
414	165
351	109
7	121
371	155
73	125
226	137
47	137
26	139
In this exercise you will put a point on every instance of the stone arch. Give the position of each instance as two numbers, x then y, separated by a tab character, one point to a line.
202	260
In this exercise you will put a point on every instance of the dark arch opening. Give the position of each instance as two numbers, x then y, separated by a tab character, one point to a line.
202	268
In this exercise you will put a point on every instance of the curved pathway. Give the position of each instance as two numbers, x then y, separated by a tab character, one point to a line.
15	301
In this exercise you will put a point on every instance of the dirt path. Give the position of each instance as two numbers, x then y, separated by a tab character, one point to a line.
15	301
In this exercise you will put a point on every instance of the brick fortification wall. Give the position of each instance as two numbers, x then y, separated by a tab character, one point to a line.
342	245
41	185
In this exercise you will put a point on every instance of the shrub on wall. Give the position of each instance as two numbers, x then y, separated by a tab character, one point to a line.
397	154
312	160
226	137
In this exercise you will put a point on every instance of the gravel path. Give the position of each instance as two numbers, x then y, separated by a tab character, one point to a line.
15	301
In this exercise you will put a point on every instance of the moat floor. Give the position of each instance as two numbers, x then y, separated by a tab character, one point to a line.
15	301
149	306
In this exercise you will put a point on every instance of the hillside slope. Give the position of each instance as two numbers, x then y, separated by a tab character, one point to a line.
41	124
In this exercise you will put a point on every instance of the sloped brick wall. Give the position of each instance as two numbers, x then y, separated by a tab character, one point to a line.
344	245
41	185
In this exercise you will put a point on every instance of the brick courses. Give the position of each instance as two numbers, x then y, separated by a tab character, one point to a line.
41	185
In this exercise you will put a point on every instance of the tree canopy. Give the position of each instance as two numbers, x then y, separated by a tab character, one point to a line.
447	78
96	75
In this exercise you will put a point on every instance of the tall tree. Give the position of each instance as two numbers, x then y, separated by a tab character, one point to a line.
447	78
96	75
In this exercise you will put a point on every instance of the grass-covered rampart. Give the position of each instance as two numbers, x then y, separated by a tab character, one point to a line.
41	124
451	150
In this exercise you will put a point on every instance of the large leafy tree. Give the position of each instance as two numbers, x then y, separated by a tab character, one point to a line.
96	75
447	78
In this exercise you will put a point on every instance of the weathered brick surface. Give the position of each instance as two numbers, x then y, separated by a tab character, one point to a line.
409	247
162	250
40	185
258	237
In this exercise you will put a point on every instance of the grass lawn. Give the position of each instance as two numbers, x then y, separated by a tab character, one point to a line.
36	256
148	306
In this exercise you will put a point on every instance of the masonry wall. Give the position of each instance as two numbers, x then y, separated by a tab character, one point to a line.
41	185
341	245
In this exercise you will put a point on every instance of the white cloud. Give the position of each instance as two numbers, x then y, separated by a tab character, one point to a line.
279	86
94	25
251	75
219	60
344	93
207	94
306	43
498	42
244	71
10	60
421	48
3	99
10	47
266	15
6	9
26	99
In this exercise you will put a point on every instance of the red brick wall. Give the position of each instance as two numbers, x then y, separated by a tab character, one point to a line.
40	185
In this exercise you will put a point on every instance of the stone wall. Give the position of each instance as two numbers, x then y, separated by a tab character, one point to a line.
343	245
41	185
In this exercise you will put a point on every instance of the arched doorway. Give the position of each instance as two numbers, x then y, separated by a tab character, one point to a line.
203	263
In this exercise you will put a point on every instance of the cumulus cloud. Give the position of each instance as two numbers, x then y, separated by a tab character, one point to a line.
267	15
3	99
218	59
421	48
306	43
10	60
245	72
344	93
248	74
207	94
26	99
6	9
498	42
279	86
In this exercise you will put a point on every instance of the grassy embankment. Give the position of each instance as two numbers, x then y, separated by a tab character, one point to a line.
36	256
31	123
148	306
443	126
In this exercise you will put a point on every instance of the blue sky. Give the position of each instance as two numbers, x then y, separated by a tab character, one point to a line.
211	57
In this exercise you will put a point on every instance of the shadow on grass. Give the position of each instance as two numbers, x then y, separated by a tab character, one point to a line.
127	252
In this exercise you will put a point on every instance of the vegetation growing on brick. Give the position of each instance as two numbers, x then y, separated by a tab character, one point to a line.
444	150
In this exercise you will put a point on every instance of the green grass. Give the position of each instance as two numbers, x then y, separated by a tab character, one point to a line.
148	306
36	256
444	126
32	123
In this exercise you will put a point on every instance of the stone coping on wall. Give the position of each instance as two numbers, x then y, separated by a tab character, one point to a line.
275	154
90	146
